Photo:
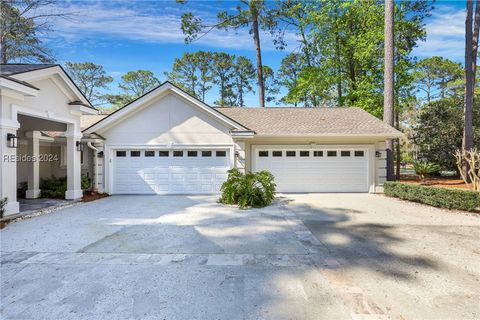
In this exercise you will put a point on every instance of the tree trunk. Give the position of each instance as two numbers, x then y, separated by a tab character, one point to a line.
467	141
339	71
388	100
398	152
258	51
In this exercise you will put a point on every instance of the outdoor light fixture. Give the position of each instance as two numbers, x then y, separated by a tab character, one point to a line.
100	154
79	146
12	140
378	154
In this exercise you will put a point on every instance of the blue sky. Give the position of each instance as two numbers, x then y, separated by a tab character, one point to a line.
131	35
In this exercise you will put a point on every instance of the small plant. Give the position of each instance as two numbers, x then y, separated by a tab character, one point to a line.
3	203
424	168
253	189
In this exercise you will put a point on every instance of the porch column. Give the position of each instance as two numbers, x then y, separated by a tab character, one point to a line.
74	171
8	167
33	151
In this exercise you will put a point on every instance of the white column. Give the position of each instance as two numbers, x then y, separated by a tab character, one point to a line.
8	167
33	151
74	168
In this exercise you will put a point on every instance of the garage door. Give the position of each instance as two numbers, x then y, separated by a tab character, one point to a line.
169	171
328	169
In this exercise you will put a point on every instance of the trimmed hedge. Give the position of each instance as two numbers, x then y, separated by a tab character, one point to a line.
437	197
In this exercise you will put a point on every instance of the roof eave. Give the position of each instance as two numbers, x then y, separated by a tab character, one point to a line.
380	136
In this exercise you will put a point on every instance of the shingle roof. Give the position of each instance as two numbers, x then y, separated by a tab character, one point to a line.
309	121
88	120
15	68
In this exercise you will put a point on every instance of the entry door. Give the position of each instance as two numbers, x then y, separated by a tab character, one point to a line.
169	171
319	169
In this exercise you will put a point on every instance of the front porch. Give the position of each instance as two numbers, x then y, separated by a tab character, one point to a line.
40	133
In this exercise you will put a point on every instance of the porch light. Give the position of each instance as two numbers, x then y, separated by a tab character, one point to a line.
378	154
12	140
79	146
100	154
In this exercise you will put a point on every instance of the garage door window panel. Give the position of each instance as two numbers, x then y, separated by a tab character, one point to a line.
192	153
121	153
178	153
331	153
291	153
277	154
134	154
163	153
221	153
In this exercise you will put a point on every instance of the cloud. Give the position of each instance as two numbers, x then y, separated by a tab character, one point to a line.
147	23
445	34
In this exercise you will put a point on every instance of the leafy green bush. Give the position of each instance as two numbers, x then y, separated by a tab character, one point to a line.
424	168
437	197
248	190
56	187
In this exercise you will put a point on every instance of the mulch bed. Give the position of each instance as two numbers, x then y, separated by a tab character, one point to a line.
91	196
441	182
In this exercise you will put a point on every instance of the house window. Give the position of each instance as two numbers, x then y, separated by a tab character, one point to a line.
121	153
304	153
192	153
263	153
163	153
221	153
149	153
134	153
276	153
345	153
318	153
291	153
178	153
331	153
206	153
359	153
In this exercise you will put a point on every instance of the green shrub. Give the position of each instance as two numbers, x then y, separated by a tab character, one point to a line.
56	187
248	190
424	168
437	197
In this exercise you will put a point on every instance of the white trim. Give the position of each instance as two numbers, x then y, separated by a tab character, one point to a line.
18	87
142	101
48	115
81	109
47	73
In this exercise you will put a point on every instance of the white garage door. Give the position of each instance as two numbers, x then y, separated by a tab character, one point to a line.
169	171
328	169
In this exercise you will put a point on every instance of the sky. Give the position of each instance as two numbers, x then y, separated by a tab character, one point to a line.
124	36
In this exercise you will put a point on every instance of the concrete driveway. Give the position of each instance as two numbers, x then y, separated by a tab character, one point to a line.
314	256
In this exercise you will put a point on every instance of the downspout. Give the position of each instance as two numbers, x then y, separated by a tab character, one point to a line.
95	166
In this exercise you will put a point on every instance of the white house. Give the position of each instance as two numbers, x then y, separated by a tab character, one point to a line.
168	142
35	99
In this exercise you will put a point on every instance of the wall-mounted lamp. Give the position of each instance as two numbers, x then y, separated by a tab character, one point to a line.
378	154
79	146
12	140
100	154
